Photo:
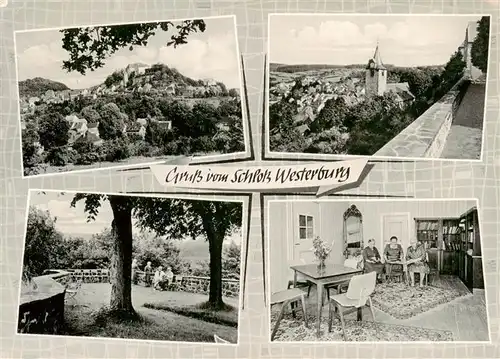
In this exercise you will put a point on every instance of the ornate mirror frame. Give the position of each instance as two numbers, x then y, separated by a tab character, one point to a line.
352	211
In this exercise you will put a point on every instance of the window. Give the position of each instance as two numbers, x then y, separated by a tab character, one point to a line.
306	227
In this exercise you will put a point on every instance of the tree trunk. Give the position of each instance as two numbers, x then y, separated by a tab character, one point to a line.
121	288
215	241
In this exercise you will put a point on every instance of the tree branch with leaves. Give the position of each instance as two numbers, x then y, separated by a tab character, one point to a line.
89	47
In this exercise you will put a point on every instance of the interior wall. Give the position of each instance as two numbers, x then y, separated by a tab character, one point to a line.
277	242
373	212
328	224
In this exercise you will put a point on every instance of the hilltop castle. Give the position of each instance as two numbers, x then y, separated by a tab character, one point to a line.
376	81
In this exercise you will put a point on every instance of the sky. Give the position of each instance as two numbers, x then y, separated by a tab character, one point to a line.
404	40
211	54
73	221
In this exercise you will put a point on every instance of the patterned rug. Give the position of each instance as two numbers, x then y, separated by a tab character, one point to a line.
293	330
401	301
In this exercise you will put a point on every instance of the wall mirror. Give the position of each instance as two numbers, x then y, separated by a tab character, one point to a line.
353	231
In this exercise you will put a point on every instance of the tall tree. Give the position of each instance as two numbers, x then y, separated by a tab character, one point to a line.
210	219
89	47
111	122
479	51
178	218
53	130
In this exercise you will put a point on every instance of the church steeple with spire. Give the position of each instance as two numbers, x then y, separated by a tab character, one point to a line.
376	75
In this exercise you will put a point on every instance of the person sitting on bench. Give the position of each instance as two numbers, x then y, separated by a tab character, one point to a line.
159	280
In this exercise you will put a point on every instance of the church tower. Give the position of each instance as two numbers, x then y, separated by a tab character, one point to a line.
376	76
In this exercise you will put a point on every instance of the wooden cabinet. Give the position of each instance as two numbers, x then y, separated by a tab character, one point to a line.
454	246
471	272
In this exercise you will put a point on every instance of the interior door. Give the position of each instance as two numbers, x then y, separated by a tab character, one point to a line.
303	240
395	225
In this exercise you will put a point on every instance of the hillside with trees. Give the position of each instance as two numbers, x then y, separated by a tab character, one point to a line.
324	109
38	86
172	124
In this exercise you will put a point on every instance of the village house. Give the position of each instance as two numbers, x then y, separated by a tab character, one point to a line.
209	82
171	89
78	128
142	121
167	125
93	134
136	129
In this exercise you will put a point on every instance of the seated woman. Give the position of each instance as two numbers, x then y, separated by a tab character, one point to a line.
372	259
415	259
393	253
159	279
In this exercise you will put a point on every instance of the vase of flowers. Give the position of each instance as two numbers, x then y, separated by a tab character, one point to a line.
321	251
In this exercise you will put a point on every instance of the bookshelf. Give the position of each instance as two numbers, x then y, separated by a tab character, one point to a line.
454	246
451	245
428	232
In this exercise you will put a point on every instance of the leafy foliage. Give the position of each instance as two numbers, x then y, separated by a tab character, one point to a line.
43	248
115	78
159	251
88	47
30	138
53	130
479	51
112	122
363	127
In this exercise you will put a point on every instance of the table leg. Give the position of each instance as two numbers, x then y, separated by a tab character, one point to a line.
319	290
294	278
360	315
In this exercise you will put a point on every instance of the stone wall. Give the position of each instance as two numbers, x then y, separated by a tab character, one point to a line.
230	287
193	284
41	307
426	136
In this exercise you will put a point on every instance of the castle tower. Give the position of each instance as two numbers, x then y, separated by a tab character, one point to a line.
376	76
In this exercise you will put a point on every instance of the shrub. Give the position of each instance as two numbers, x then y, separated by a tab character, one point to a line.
134	137
170	148
203	144
115	150
184	145
61	156
88	158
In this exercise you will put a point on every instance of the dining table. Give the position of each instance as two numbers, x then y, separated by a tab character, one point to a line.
329	275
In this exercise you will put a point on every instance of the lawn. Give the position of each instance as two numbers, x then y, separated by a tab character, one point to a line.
85	316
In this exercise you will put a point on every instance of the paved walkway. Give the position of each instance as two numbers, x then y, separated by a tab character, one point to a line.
465	138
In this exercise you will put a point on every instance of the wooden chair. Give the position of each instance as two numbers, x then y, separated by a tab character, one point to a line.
301	283
432	271
358	295
395	273
219	340
286	297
